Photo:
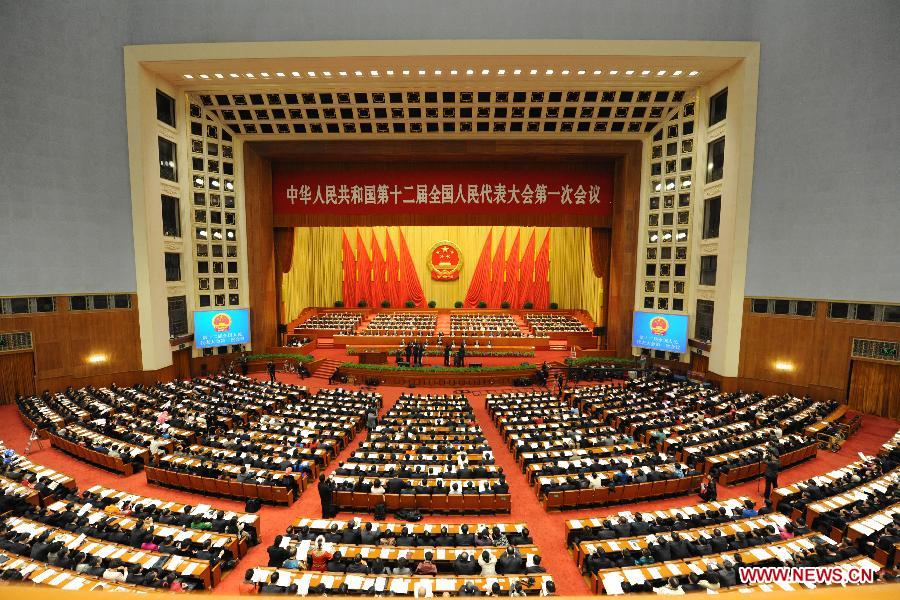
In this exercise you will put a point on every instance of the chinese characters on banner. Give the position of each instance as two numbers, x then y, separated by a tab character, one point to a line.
473	190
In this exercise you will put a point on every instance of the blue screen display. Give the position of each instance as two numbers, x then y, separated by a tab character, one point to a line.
657	331
221	327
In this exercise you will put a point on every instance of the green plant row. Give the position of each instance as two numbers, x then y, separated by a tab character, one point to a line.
470	351
583	361
436	369
283	355
432	304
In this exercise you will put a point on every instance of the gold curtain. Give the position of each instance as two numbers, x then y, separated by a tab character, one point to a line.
875	388
572	280
315	278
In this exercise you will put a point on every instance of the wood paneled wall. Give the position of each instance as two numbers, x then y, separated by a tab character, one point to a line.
16	375
817	348
875	388
64	340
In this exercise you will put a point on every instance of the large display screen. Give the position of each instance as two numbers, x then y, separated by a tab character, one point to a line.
657	331
221	327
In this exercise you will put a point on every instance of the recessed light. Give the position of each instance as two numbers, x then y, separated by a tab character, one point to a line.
581	71
485	71
204	76
235	75
264	74
406	71
454	72
693	73
358	73
438	72
311	73
249	75
660	73
470	71
598	72
517	72
295	73
373	73
342	73
421	71
186	76
629	72
532	72
565	72
613	72
390	72
219	76
501	72
279	74
645	72
677	73
326	73
548	72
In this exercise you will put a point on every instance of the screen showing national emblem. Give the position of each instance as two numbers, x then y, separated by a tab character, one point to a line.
221	327
658	331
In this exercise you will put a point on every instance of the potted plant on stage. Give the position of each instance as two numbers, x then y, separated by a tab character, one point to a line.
528	305
410	304
458	304
504	305
482	304
432	304
361	304
554	306
385	304
339	304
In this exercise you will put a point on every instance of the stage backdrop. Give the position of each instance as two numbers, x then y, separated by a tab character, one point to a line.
507	263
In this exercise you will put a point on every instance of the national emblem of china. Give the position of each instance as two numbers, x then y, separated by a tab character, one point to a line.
445	261
659	326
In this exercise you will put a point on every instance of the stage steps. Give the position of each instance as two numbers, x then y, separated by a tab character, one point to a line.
323	343
325	371
523	325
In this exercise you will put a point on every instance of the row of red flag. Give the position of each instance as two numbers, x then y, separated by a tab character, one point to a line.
377	278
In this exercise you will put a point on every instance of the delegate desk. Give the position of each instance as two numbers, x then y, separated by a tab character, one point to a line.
819	507
783	492
324	525
229	488
873	523
393	584
64	579
10	487
182	566
437	503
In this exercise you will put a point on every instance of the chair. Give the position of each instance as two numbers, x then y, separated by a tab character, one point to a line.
570	498
616	495
408	501
266	493
472	503
251	490
440	503
223	488
644	490
658	489
455	503
184	481
392	501
209	485
672	486
342	499
598	497
235	489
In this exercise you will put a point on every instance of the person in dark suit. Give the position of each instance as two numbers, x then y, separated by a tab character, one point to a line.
773	466
270	367
326	496
277	554
447	354
409	351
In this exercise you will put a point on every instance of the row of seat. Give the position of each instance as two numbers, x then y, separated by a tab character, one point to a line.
754	470
633	492
110	463
221	487
436	503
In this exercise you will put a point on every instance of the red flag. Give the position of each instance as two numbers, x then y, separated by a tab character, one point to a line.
542	275
412	288
363	272
511	282
392	274
480	285
526	274
497	273
349	264
379	293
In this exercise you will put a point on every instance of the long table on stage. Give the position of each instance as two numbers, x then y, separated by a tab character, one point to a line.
361	341
373	357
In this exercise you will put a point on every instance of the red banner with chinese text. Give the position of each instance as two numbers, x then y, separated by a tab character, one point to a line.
428	190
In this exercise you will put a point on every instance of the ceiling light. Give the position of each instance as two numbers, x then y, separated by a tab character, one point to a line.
311	73
501	71
532	72
485	71
517	72
645	72
198	180
249	75
219	76
470	72
782	365
693	73
264	74
654	237
279	74
565	72
660	73
548	72
204	76
188	76
342	73
390	72
326	73
613	72
454	72
677	73
438	72
406	71
235	75
670	185
581	71
373	73
658	186
295	73
358	73
598	72
421	71
629	72
96	358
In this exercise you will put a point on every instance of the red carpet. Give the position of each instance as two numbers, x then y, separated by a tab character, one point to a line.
548	530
